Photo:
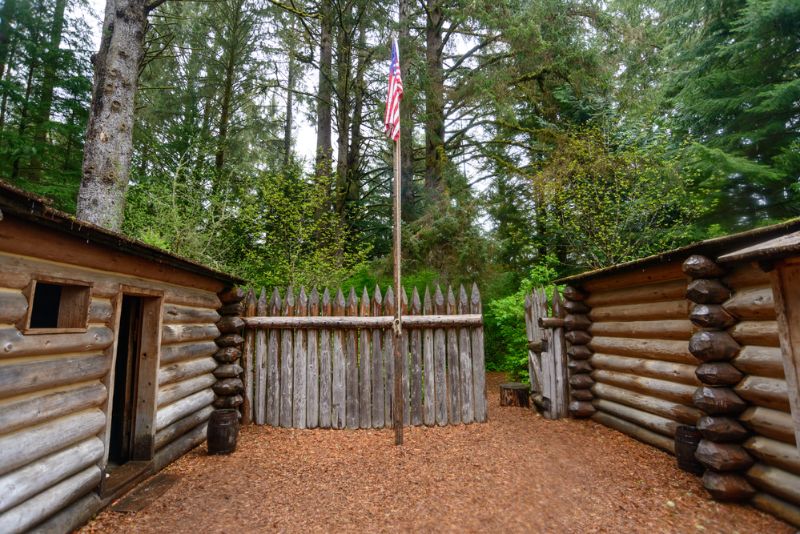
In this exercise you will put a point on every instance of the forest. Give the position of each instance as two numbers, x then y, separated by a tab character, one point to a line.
540	137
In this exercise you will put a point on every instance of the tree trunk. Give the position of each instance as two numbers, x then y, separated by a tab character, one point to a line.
343	111
406	116
23	115
287	131
7	13
42	114
324	92
434	101
109	135
353	192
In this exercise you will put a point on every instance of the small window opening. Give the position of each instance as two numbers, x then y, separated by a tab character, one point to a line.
59	306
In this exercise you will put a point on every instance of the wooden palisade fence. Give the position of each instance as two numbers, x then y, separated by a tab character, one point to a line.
547	362
324	361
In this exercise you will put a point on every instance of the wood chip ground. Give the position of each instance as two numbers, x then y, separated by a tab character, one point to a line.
516	473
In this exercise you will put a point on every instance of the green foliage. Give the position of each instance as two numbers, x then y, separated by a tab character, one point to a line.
504	319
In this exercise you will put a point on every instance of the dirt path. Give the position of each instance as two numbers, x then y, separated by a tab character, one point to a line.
517	473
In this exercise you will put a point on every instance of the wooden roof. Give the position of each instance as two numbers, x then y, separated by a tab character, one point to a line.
39	210
743	246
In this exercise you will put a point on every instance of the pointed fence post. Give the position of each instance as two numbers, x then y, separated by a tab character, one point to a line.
465	362
300	364
312	375
247	359
325	365
440	361
365	366
453	367
429	394
415	369
351	366
338	405
287	362
378	383
260	380
389	359
478	359
273	364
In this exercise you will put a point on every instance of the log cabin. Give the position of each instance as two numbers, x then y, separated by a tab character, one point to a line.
107	362
706	337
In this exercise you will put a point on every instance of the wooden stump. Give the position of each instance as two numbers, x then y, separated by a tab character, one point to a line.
514	394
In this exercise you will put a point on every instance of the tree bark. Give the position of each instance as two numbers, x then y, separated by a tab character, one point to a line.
6	14
324	91
354	153
343	110
109	134
434	100
42	113
287	129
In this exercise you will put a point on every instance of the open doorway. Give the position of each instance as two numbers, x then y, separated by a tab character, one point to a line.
132	407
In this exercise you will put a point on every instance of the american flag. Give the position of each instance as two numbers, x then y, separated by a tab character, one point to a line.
391	120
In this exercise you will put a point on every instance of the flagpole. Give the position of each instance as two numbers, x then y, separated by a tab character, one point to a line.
397	404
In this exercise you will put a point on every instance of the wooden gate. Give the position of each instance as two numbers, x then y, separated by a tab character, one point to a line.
320	361
547	360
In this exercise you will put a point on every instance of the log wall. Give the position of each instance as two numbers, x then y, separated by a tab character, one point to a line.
775	474
642	371
54	391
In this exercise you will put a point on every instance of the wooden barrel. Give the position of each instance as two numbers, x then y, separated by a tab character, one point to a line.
686	439
223	429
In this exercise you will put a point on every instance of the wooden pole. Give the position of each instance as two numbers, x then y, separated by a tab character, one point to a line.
397	408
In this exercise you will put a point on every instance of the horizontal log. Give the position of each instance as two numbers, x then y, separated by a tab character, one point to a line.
661	329
175	392
13	344
769	392
229	340
662	389
24	376
773	424
29	410
13	306
100	312
187	351
180	446
579	352
746	275
27	514
635	431
551	322
761	361
582	394
582	381
382	321
654	349
672	410
581	409
182	426
231	295
732	487
183	370
72	517
237	309
228	355
230	324
31	443
654	273
698	266
578	337
580	366
228	370
228	386
721	429
174	333
573	293
655	423
17	270
774	452
707	291
182	408
177	314
713	346
577	322
576	306
777	507
232	401
764	333
718	401
723	456
719	374
663	291
27	481
776	481
670	309
754	304
675	372
711	316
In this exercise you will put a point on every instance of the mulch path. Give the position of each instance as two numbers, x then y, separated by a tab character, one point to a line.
516	473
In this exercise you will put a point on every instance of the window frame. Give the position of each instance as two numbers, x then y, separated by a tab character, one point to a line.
24	324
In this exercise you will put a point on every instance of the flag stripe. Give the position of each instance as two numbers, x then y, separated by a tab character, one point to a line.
391	118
